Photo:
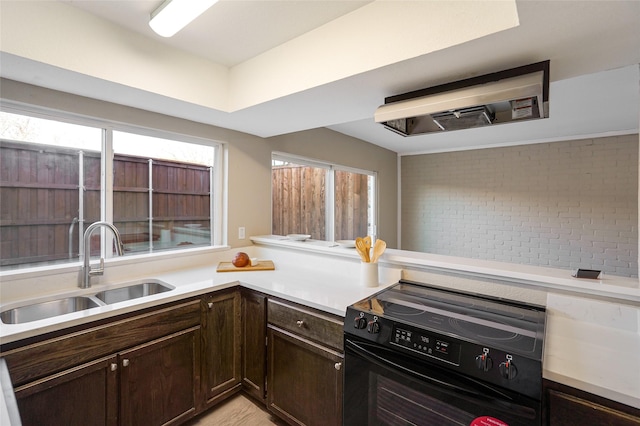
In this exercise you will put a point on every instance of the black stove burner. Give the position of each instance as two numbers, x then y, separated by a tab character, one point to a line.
402	310
482	332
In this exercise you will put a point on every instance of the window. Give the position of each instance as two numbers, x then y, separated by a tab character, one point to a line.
327	201
161	192
161	196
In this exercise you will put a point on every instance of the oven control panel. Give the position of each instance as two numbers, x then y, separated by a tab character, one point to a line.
424	343
489	364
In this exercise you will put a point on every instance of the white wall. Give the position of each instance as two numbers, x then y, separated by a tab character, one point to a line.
563	204
249	157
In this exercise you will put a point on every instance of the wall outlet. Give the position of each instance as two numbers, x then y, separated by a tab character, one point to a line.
241	233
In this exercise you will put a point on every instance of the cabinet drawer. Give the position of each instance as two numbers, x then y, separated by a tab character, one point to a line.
570	410
570	406
312	325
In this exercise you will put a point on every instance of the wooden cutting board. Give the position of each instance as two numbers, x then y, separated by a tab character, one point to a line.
263	265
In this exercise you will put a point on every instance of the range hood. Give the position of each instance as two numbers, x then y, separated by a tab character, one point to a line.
507	96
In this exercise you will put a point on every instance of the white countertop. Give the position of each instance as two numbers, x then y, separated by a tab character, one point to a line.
9	415
326	291
592	342
594	345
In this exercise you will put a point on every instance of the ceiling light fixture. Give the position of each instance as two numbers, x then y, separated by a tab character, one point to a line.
174	15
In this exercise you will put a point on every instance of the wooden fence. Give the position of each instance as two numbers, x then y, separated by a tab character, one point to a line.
40	199
299	201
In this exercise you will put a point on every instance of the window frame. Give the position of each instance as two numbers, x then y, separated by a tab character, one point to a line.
217	210
331	168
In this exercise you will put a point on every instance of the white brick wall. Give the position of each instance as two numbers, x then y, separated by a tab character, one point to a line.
563	204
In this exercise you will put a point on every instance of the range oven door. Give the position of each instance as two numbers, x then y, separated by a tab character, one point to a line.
384	387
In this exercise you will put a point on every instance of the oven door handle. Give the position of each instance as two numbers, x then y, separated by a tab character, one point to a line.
386	363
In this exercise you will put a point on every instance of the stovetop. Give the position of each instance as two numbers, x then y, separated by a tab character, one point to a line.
510	326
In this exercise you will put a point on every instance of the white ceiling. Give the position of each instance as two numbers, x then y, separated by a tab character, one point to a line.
232	31
580	38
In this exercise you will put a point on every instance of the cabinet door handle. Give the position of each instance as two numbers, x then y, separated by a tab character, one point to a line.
113	366
210	305
125	362
338	365
300	323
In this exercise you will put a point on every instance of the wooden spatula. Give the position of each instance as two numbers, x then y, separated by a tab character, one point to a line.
378	248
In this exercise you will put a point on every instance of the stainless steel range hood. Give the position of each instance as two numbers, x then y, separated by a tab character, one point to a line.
507	96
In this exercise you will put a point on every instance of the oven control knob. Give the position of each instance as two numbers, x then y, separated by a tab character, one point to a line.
373	327
360	322
508	370
484	362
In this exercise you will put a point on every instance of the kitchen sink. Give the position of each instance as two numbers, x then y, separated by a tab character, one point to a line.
52	308
134	291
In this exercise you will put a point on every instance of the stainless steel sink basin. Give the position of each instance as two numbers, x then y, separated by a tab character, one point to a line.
132	292
66	305
48	309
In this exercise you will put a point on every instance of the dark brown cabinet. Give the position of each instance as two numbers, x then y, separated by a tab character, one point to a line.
85	395
157	380
567	406
304	378
138	369
221	356
166	364
254	350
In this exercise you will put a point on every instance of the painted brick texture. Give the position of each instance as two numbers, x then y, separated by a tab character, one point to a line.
563	204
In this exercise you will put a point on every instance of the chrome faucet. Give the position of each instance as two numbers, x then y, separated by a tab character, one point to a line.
87	272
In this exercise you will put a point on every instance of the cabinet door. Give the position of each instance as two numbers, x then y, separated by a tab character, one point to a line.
221	344
304	384
85	395
254	350
158	379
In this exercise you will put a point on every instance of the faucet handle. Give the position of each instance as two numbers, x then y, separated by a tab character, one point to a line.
99	270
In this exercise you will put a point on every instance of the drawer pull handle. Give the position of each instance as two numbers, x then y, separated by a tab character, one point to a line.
338	365
300	323
113	366
125	362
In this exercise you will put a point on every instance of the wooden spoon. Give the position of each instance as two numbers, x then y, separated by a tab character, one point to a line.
367	240
362	249
367	245
378	248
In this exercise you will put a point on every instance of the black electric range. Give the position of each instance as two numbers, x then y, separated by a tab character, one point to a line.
490	339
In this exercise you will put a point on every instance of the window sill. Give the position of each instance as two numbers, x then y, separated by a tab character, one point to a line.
74	267
414	264
314	246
